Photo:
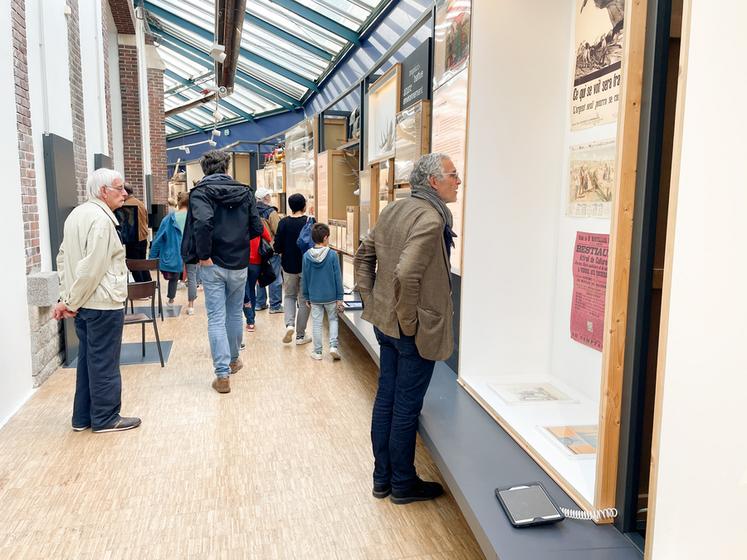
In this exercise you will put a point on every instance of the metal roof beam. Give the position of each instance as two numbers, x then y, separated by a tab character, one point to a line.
230	106
283	34
185	122
201	108
210	36
322	21
267	91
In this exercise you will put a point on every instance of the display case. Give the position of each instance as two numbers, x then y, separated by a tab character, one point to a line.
348	272
383	105
336	184
412	139
542	345
353	233
300	168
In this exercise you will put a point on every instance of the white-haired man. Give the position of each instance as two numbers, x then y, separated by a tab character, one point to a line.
402	273
93	288
269	215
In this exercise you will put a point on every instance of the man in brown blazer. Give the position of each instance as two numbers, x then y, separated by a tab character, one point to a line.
403	275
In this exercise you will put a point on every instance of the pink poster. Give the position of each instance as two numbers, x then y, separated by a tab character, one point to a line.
589	287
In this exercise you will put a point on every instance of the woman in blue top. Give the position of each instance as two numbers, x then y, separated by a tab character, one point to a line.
167	246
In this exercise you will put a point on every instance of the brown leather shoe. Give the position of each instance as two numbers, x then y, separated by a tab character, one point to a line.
222	385
236	365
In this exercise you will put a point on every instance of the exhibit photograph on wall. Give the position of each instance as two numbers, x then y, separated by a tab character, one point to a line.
383	106
449	136
590	254
576	440
410	139
528	393
592	170
452	35
598	62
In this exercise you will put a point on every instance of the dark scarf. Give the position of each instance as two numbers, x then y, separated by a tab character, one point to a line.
429	194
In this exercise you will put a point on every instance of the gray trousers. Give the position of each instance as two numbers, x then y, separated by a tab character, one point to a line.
294	299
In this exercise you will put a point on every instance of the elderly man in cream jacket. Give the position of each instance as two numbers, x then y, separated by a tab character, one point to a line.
93	278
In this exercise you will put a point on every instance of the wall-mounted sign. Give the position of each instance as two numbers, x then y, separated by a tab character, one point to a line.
589	288
416	75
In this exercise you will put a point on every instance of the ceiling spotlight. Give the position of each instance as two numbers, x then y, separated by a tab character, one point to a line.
216	132
218	53
220	90
212	143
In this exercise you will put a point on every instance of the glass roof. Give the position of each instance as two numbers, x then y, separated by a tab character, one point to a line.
287	46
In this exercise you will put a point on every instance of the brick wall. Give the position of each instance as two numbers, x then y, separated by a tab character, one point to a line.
25	139
107	88
124	16
158	162
76	100
131	135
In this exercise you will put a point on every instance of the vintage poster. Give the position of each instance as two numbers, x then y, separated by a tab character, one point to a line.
383	105
529	393
598	65
578	440
589	287
451	53
449	136
592	181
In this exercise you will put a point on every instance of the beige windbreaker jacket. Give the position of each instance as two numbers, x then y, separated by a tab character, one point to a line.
91	261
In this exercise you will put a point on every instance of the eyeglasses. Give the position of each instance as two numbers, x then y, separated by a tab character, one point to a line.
120	189
454	174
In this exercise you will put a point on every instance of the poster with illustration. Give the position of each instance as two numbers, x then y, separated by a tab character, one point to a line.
383	106
598	62
592	181
451	53
575	440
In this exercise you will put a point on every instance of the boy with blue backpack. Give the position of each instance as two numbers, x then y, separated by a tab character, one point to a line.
322	289
288	244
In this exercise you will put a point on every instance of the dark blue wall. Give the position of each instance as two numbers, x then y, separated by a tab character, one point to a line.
252	131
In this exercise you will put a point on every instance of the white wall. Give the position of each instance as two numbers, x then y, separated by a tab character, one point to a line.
518	118
92	65
49	87
701	495
115	93
15	335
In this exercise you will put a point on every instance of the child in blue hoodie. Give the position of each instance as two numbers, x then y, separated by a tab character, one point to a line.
322	288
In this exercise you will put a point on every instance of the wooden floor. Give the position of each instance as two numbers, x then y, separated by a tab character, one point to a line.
278	468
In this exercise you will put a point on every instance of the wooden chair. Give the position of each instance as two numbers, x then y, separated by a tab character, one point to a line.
134	265
142	290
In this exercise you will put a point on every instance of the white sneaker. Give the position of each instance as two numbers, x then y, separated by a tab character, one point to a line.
334	353
304	340
190	310
288	336
316	355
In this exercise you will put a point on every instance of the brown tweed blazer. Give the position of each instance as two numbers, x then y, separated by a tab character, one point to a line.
402	273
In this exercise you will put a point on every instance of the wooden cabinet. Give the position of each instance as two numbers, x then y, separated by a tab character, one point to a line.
335	185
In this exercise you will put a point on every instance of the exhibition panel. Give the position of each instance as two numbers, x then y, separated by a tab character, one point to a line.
544	296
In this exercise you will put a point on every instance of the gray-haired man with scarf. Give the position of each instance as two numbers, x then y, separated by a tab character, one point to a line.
403	275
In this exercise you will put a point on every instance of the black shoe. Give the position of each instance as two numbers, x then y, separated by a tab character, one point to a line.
119	425
420	491
381	490
81	428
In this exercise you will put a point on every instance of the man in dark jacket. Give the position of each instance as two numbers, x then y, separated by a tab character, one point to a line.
221	220
271	218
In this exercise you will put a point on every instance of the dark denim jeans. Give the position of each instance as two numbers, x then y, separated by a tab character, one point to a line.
250	294
276	288
403	380
98	384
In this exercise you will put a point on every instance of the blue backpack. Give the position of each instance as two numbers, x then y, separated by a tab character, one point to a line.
304	240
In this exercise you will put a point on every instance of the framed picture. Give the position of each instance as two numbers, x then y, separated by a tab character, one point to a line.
529	393
451	53
578	441
383	106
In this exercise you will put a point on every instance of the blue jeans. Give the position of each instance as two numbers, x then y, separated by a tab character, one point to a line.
98	383
403	380
224	294
317	321
250	298
276	288
192	270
